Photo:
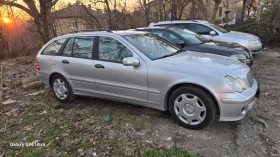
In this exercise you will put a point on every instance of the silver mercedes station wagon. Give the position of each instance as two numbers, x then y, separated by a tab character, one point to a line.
143	69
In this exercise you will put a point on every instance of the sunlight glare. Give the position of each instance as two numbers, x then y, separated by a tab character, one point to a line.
6	20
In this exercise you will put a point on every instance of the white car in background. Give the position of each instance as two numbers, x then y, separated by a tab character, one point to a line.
216	33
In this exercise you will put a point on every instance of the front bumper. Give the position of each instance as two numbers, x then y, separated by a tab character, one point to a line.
256	49
44	78
234	106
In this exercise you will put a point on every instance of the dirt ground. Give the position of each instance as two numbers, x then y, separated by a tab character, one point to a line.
78	128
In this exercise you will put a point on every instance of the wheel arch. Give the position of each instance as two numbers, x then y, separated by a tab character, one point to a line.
174	87
57	73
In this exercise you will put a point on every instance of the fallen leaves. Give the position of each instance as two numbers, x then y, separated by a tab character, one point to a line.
65	134
91	140
52	120
161	145
9	102
28	127
44	112
80	150
129	152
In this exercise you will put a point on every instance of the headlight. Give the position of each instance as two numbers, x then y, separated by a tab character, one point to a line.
243	84
239	56
234	84
254	42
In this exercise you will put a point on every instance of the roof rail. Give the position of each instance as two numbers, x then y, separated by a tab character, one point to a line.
97	29
91	30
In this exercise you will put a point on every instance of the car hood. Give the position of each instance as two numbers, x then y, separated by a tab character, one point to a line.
241	35
217	48
207	62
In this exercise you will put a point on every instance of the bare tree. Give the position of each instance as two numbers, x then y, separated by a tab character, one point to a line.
177	8
145	6
90	19
40	15
202	8
108	10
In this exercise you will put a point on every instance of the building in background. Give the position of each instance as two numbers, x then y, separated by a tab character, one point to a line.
226	12
77	17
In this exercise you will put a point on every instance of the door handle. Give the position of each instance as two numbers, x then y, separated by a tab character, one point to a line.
99	66
65	61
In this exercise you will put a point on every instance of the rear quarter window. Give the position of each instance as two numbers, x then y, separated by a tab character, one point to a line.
53	47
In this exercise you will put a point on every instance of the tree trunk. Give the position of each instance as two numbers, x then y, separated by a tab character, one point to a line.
160	10
110	24
215	10
40	16
146	9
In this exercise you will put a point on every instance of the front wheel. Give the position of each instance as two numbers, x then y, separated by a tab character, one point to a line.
62	89
192	107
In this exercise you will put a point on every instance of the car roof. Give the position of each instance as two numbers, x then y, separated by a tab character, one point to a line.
180	21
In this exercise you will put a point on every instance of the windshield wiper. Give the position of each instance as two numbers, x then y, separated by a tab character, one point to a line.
172	54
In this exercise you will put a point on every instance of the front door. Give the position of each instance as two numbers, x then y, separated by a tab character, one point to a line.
113	78
203	30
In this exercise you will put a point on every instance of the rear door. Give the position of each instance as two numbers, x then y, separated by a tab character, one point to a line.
113	78
76	63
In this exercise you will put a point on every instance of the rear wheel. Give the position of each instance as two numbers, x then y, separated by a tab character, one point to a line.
62	89
192	107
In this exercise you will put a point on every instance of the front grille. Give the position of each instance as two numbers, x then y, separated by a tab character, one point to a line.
256	50
250	78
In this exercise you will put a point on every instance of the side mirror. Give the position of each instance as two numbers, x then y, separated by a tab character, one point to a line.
180	43
212	33
130	61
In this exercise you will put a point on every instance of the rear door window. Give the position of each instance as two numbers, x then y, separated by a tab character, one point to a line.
80	47
53	48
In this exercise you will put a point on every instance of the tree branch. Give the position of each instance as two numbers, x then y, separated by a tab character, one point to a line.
12	4
51	4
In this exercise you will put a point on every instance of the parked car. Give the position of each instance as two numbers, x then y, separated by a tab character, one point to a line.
191	41
143	69
216	33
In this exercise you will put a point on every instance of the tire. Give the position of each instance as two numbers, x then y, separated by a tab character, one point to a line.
62	89
192	107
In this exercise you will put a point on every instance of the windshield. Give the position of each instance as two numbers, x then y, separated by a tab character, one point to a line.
191	37
218	28
151	45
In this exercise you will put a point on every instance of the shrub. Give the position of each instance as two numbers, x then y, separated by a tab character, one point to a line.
267	29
